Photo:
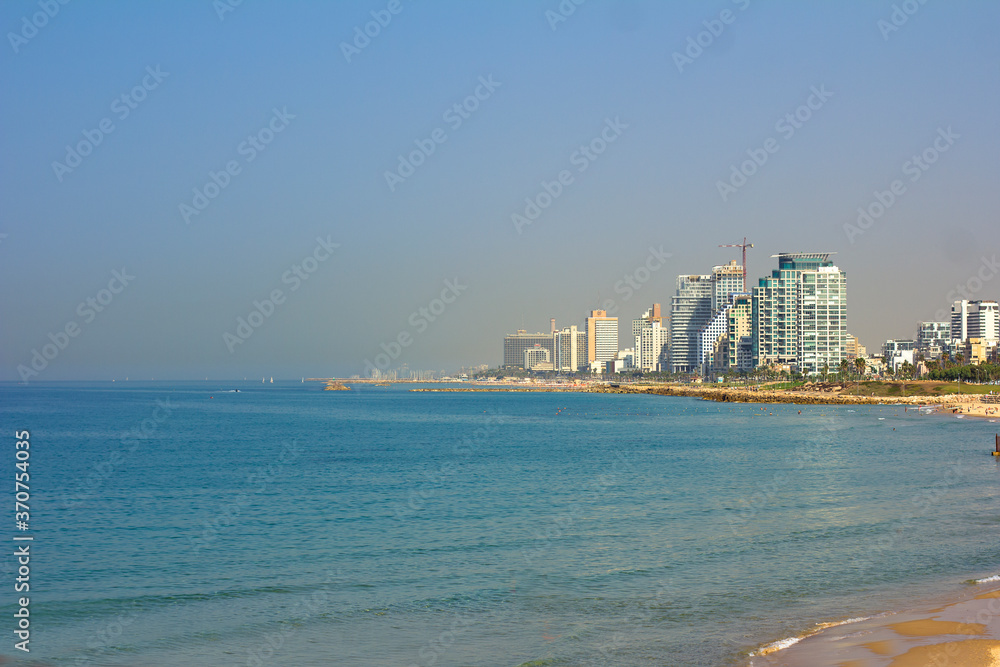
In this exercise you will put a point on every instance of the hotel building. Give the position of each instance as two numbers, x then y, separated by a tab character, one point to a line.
602	336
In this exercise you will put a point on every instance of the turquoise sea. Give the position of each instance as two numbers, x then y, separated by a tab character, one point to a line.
190	524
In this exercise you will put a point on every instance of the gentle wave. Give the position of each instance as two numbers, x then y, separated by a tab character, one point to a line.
782	644
779	645
995	577
824	626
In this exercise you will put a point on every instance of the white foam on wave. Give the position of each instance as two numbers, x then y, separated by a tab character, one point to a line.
779	645
995	577
782	644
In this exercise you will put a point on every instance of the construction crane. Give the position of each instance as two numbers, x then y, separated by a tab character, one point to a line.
744	246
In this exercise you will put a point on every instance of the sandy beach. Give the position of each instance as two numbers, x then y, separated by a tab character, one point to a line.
964	632
979	409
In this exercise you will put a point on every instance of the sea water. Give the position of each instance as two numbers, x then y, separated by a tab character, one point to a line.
191	524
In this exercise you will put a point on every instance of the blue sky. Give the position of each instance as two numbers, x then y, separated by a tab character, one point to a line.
889	95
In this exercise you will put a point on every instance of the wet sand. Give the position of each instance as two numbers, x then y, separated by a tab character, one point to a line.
964	632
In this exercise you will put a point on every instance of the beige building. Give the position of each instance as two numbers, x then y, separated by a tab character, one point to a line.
739	340
602	336
854	348
979	350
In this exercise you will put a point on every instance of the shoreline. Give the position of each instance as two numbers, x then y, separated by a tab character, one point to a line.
961	627
959	404
964	404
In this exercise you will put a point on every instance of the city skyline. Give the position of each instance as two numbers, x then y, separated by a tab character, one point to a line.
232	190
795	318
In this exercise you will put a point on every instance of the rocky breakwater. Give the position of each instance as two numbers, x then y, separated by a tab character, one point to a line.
802	397
336	386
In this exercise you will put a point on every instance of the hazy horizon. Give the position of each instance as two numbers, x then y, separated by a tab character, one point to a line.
177	162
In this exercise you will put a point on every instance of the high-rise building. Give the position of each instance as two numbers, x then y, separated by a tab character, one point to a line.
713	337
650	340
690	311
985	321
570	350
739	341
822	319
933	338
602	336
776	309
727	280
713	343
960	321
515	344
975	319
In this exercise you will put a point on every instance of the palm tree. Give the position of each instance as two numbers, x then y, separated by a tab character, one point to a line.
845	368
860	364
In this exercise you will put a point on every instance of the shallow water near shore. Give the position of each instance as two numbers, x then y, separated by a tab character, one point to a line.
287	525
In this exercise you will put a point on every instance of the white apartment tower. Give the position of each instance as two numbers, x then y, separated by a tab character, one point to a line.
804	285
822	319
690	311
570	347
650	340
